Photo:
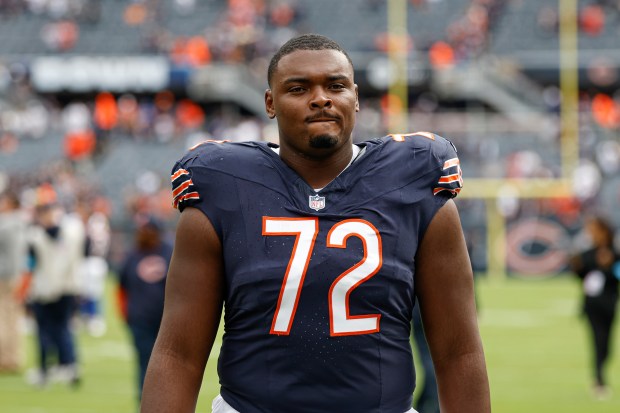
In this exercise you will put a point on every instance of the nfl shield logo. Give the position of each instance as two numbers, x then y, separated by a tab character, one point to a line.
316	202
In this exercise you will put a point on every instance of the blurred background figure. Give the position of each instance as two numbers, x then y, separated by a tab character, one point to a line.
56	243
142	282
599	269
95	268
12	266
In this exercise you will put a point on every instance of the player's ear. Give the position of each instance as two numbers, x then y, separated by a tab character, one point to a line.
271	111
357	101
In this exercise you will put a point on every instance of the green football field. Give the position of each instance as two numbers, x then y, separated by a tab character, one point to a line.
536	345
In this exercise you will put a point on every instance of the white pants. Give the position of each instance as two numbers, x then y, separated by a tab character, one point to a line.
219	405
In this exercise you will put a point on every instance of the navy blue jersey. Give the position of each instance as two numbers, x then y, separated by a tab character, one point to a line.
319	286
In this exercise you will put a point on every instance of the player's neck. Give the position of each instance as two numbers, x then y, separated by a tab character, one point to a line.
318	172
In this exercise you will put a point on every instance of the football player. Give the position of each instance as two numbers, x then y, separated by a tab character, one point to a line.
317	249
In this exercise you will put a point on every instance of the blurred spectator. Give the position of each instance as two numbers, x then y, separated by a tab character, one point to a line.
548	19
135	14
79	137
105	117
106	111
592	20
607	155
605	111
8	143
282	14
599	270
80	145
128	114
193	51
60	36
190	115
142	281
95	267
56	243
602	71
12	266
148	196
441	55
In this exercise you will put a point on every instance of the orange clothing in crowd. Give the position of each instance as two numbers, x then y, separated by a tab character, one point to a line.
193	51
189	114
592	20
606	111
79	145
441	55
106	111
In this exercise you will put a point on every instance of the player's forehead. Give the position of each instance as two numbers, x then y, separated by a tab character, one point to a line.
313	64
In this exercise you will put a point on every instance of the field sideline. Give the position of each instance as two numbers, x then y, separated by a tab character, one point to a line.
536	347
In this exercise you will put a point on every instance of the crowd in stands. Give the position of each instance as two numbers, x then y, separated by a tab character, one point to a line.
247	31
88	123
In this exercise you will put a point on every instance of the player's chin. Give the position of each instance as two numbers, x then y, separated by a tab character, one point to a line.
323	141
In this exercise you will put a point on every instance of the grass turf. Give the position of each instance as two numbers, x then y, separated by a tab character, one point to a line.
536	345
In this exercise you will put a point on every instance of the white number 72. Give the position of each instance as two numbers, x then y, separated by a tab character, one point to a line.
305	231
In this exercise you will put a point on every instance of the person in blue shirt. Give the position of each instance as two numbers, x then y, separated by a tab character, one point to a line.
142	283
317	249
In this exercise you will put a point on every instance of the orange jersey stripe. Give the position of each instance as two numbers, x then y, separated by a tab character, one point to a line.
178	173
451	162
181	188
450	178
191	195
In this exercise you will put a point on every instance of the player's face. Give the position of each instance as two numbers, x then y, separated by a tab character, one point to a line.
314	99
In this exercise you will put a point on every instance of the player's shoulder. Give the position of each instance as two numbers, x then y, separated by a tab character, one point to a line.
210	152
423	154
426	148
419	140
205	165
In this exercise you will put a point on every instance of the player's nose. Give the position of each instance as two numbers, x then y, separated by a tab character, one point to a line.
320	100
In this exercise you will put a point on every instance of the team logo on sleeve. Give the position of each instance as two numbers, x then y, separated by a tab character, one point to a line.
316	202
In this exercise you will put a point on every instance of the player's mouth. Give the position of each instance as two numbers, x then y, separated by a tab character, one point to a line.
322	117
322	120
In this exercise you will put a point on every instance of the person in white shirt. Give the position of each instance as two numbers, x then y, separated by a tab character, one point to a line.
56	244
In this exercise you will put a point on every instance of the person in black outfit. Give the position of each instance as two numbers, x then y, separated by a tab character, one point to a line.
599	268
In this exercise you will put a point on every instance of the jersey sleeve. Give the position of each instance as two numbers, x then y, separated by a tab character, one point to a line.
204	179
450	181
184	192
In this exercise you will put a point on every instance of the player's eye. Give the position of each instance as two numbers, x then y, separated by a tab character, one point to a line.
337	86
296	89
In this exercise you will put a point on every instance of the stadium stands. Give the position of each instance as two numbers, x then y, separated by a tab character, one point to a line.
489	98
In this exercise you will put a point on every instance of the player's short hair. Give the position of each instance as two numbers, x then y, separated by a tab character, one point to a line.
303	42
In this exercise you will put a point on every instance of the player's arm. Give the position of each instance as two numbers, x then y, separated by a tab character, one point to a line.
193	306
444	285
